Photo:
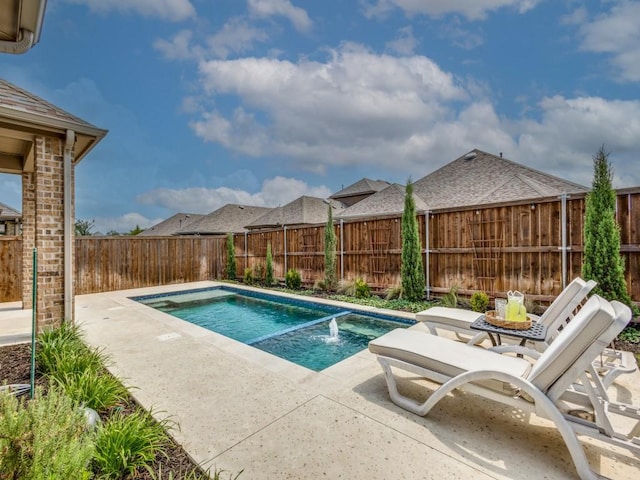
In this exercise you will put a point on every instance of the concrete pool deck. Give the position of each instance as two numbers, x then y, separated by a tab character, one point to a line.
239	408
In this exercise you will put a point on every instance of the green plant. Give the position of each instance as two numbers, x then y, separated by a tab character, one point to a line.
92	388
127	443
413	282
248	276
329	252
231	258
450	299
630	334
362	289
479	301
61	351
292	279
44	438
268	275
602	261
393	293
259	273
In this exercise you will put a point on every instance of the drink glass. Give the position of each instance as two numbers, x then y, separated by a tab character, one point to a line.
501	306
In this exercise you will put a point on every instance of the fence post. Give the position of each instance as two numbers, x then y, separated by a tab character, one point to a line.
426	254
284	229
563	229
246	253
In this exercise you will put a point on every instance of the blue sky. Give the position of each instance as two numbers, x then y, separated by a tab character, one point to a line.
210	102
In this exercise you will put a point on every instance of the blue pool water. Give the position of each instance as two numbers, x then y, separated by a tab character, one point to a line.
298	331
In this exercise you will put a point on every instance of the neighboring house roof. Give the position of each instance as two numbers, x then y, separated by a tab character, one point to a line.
361	187
478	178
171	226
20	24
230	218
25	116
302	211
8	213
387	201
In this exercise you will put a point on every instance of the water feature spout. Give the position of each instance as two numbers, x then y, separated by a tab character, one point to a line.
333	329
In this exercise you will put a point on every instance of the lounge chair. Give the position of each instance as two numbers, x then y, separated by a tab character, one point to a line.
546	387
555	316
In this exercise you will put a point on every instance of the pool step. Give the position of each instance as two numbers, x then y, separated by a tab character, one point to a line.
299	327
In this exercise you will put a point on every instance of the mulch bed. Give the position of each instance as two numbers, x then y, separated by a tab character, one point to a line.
15	361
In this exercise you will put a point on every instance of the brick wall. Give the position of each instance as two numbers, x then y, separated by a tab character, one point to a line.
43	228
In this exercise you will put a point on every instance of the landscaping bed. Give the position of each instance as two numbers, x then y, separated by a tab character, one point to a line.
170	463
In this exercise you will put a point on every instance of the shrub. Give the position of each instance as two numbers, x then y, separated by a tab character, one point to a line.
362	289
393	293
248	276
292	279
412	274
91	388
268	276
127	443
450	299
329	252
259	273
479	302
44	438
602	261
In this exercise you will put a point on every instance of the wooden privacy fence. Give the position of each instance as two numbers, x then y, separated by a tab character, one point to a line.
532	246
10	269
115	263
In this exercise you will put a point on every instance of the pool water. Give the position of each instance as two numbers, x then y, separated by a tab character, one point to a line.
298	331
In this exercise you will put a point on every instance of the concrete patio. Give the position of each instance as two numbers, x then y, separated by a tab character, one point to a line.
239	408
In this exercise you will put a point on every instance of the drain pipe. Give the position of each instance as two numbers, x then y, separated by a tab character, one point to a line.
25	42
68	226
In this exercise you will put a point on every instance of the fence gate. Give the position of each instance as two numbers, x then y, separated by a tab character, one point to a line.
487	239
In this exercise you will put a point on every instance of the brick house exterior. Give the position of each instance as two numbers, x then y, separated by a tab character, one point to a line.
43	143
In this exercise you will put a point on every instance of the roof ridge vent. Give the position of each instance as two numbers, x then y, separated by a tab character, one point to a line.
470	156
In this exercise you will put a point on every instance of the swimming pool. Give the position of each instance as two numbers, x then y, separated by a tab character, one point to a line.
310	334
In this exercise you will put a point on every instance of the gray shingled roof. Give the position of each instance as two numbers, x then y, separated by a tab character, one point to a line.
171	226
361	187
302	211
227	219
16	98
387	201
8	213
478	178
22	111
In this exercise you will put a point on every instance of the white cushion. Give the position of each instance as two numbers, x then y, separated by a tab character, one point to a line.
453	317
447	357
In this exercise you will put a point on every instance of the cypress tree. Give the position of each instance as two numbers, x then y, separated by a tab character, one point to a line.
268	277
602	261
231	258
413	282
329	253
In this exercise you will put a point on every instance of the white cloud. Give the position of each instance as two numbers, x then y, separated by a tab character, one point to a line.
571	130
338	112
267	8
275	191
236	36
405	44
617	33
179	47
123	224
173	10
471	9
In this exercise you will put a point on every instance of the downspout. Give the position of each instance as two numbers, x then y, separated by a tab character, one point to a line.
25	42
68	226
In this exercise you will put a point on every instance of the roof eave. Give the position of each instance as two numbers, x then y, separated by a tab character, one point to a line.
29	121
